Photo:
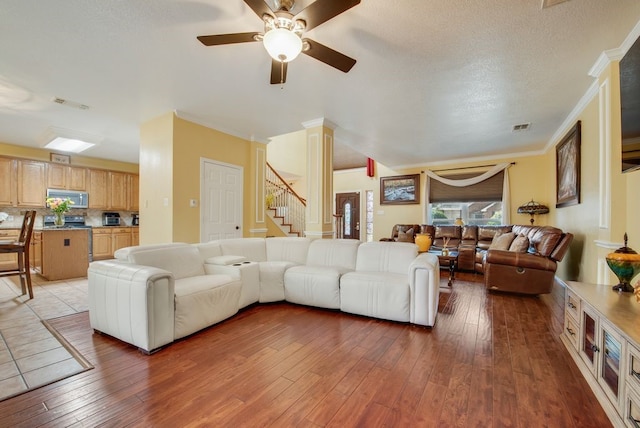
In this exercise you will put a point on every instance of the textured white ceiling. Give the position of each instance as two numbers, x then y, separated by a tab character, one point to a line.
435	80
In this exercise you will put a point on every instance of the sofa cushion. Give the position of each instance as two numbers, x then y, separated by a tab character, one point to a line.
386	257
287	249
339	253
181	261
313	285
201	301
253	249
520	244
377	294
272	280
406	236
502	241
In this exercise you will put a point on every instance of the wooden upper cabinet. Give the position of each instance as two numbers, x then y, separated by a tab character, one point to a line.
8	182
98	189
31	179
134	192
66	177
118	190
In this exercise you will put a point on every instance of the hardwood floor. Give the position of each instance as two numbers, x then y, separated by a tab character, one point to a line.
491	360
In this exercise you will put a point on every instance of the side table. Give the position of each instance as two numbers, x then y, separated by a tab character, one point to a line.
450	261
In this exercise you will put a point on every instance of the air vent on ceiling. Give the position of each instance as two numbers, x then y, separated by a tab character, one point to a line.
68	103
521	127
549	3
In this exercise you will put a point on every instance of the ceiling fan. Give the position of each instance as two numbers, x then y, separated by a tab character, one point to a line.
282	37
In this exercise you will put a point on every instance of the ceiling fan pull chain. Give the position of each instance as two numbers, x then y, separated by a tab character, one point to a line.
281	74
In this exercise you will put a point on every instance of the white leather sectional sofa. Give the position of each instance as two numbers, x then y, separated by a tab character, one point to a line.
150	296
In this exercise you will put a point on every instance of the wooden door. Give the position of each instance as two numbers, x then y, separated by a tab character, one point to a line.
32	190
348	205
221	207
134	192
121	238
57	176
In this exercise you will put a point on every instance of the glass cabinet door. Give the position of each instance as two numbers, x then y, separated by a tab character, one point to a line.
588	345
610	363
610	368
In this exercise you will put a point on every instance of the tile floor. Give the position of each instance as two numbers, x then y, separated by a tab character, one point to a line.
30	355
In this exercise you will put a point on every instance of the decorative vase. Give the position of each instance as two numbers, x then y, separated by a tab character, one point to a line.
625	264
445	251
423	241
459	221
58	220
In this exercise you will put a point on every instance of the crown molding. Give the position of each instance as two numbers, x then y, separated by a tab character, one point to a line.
217	127
314	123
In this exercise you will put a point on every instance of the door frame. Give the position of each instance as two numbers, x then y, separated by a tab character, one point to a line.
360	192
240	169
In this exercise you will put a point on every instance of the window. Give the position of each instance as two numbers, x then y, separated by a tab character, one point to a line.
369	215
479	204
476	212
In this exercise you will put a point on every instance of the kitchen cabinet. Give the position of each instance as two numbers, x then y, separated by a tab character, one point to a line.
120	238
65	253
66	177
8	260
35	256
134	192
102	244
135	236
118	190
8	183
108	240
98	189
31	179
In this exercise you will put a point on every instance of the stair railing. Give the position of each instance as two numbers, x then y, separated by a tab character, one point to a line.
285	202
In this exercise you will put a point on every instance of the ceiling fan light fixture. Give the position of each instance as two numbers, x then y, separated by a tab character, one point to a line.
282	45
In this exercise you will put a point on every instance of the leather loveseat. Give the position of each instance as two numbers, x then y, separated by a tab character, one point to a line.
404	233
528	269
150	296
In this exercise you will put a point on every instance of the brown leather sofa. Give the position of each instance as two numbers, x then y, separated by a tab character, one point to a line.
530	272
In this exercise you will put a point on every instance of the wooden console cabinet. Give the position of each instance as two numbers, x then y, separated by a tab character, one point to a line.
64	254
601	333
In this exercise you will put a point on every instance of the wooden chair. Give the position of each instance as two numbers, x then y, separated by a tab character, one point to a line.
21	248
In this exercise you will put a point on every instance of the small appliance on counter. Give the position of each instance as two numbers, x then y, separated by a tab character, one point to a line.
110	219
135	219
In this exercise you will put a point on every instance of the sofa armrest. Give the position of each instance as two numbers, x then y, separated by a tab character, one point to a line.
523	260
424	283
131	302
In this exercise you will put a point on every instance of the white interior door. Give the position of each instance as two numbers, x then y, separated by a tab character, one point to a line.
221	201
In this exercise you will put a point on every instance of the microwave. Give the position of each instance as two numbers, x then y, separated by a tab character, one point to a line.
79	199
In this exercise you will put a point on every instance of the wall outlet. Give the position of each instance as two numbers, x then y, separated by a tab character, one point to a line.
165	202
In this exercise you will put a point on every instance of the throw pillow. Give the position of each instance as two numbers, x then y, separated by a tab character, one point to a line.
520	244
502	241
405	236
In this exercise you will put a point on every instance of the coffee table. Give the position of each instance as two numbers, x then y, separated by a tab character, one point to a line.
449	261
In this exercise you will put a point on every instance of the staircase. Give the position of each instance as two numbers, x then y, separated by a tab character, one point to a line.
284	206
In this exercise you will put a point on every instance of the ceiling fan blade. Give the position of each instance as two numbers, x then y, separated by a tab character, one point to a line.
330	57
259	7
278	72
320	11
227	39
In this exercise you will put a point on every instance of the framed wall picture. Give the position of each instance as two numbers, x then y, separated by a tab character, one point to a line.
57	158
400	189
568	169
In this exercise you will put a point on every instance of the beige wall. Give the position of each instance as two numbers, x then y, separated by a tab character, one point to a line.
287	154
171	152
